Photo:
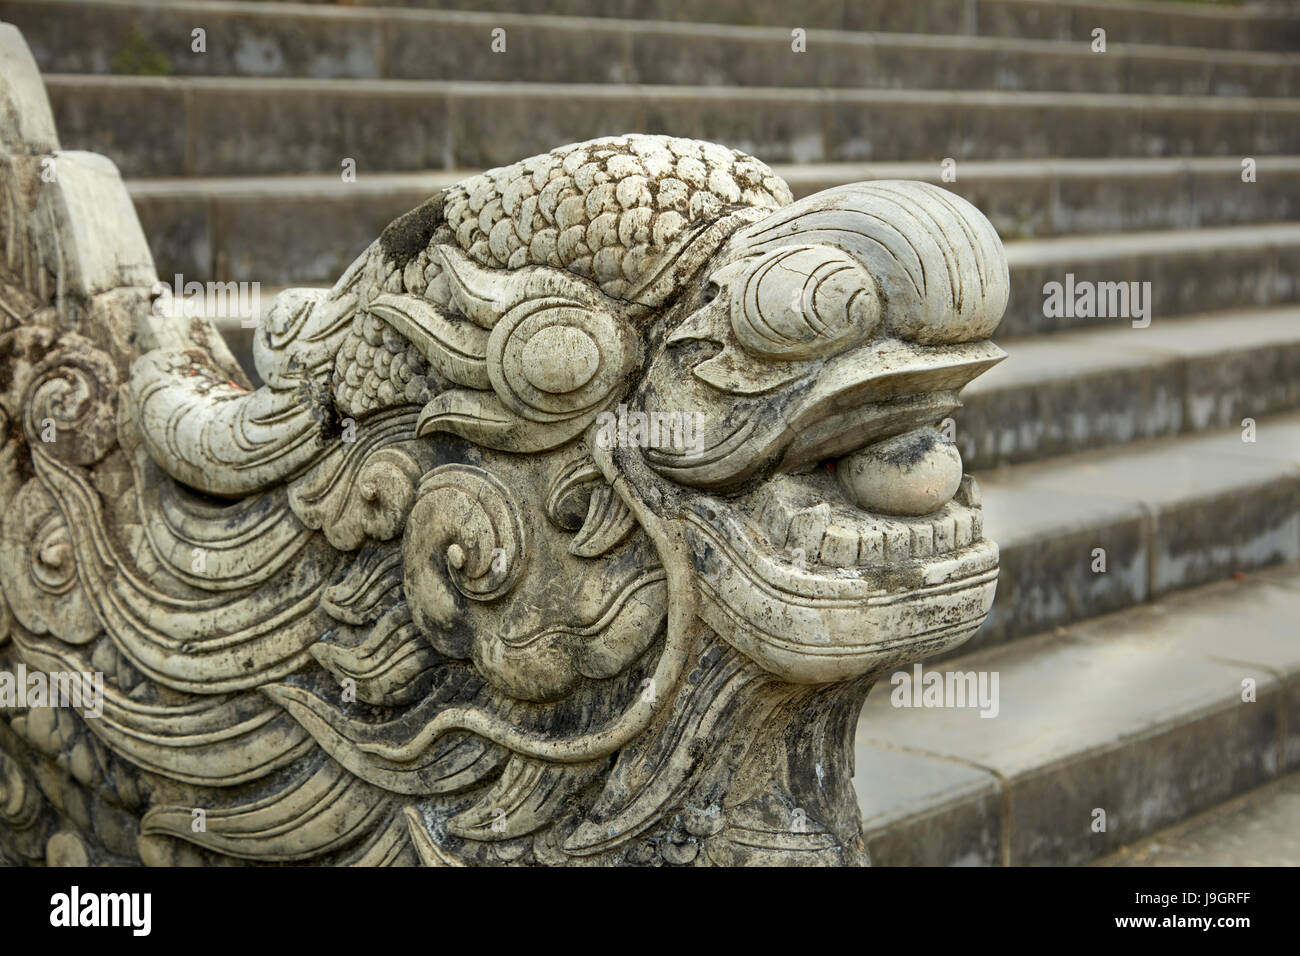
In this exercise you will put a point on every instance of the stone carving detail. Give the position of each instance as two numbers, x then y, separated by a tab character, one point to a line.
571	526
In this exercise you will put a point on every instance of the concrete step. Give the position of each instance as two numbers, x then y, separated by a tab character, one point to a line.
1147	717
278	230
130	36
1260	828
1182	24
206	126
309	227
1189	271
1101	531
1075	391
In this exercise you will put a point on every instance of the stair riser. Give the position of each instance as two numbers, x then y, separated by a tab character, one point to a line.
1039	19
194	127
1048	583
280	239
1072	202
1182	282
458	46
1158	400
277	242
1048	814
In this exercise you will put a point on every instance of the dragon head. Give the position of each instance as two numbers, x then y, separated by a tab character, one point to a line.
830	526
572	524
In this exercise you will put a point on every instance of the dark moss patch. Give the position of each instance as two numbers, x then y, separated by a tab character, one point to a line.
905	454
140	58
409	234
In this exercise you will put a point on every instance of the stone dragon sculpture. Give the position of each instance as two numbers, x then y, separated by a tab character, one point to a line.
414	600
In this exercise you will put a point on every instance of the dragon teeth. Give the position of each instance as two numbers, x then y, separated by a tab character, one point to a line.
839	547
807	528
816	532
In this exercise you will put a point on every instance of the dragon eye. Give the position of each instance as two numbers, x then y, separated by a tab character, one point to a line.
804	302
710	292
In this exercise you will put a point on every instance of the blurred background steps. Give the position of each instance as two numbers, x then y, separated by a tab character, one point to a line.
1181	24
1075	391
1105	733
356	43
309	227
226	126
1103	530
1189	270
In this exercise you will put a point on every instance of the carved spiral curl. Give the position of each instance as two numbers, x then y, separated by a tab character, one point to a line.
20	803
54	567
464	529
385	483
38	567
70	406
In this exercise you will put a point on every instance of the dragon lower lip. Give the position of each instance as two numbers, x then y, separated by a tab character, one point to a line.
811	623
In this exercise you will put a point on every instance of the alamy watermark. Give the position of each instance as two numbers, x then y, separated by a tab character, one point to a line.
678	431
80	690
974	689
1098	300
133	911
241	300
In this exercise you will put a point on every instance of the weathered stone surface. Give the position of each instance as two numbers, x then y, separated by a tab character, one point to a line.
525	552
26	126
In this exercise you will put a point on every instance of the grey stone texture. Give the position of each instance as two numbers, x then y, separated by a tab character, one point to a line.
1138	714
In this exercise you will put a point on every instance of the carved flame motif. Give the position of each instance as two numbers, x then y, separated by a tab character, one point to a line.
407	603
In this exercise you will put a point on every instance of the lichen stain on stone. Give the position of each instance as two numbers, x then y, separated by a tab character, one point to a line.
409	234
911	452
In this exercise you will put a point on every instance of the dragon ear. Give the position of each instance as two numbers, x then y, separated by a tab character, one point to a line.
482	295
455	348
485	295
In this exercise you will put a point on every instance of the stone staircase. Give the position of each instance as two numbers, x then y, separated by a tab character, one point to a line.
1120	690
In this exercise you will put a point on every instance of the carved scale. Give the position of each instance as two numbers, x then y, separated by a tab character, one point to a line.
413	600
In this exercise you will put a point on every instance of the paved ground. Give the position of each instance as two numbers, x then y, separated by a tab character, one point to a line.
1261	828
